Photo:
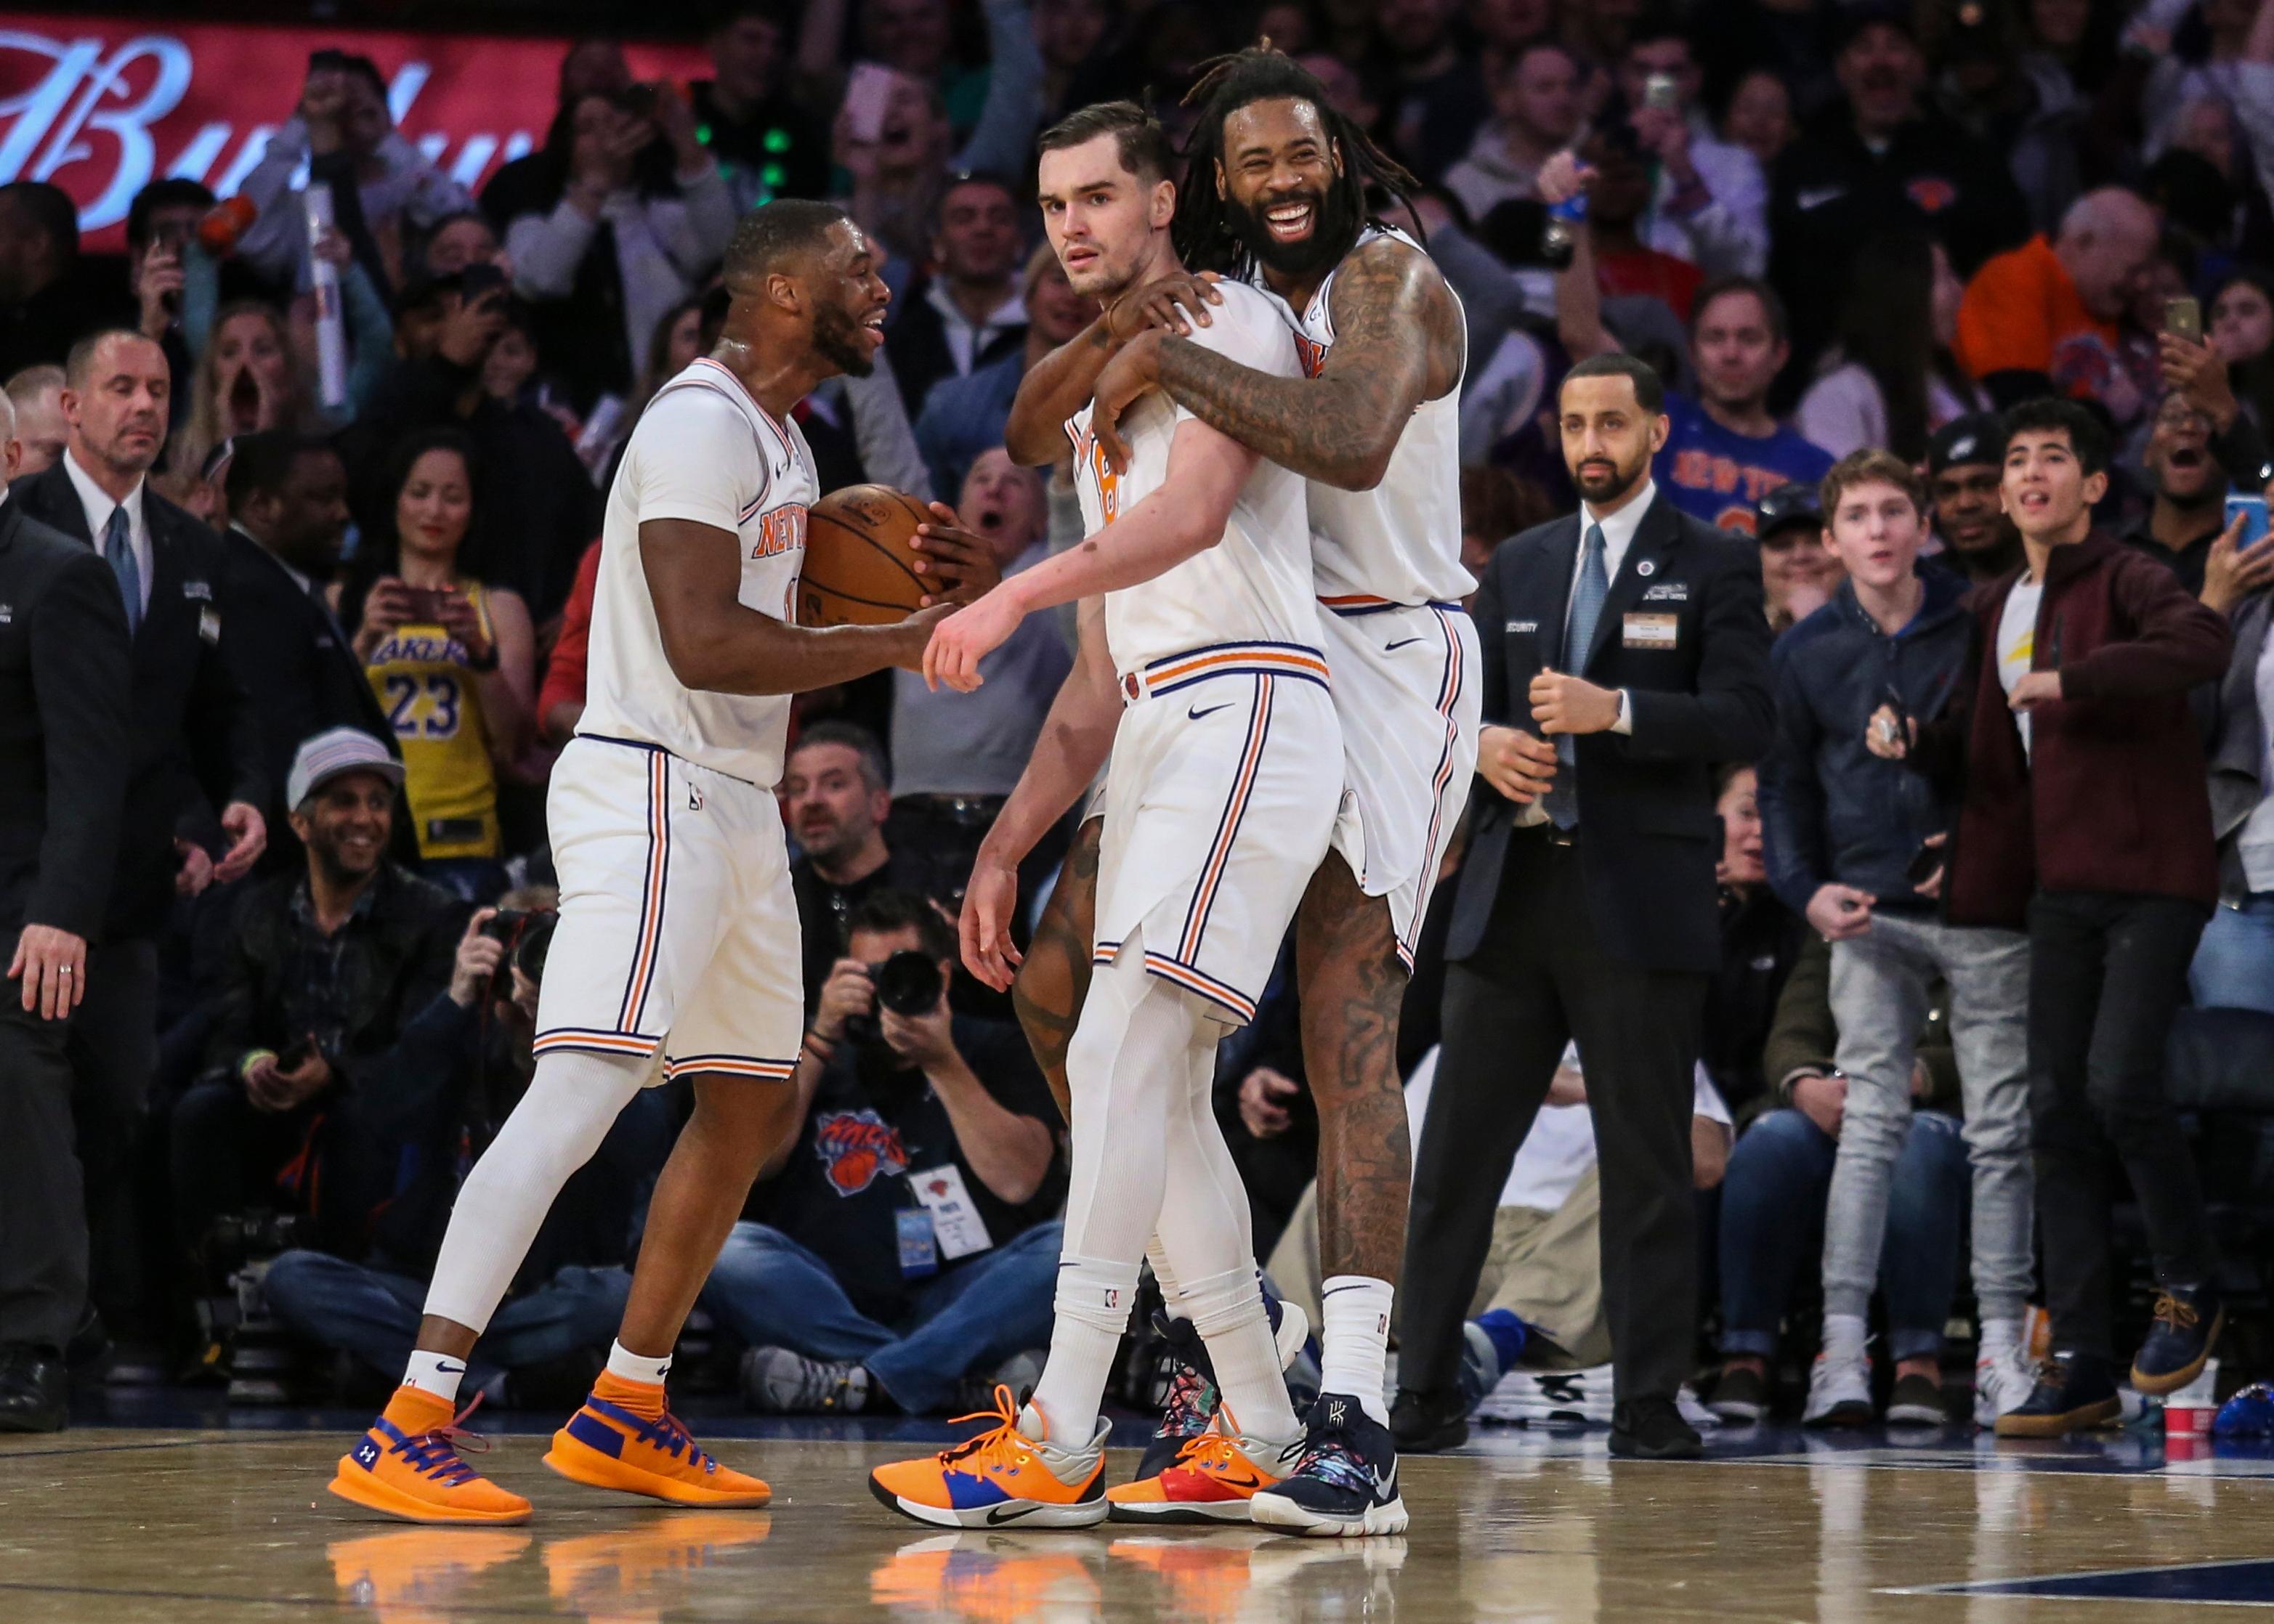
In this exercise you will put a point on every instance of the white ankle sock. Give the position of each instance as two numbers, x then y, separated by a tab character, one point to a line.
1093	1309
1354	1333
1228	1312
438	1373
1846	1334
622	1361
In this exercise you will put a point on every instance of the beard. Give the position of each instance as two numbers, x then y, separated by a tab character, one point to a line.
1601	486
1334	232
839	339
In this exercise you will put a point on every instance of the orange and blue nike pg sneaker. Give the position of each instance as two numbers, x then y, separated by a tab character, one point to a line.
1211	1480
407	1466
626	1439
1009	1473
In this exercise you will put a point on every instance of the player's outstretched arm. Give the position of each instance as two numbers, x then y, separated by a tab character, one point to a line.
1077	736
1184	517
715	644
1340	427
1058	386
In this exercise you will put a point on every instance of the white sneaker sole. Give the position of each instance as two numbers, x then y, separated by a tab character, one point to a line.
1294	1330
1278	1511
1214	1511
1005	1515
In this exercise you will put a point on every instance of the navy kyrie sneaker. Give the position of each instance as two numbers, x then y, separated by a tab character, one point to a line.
1344	1484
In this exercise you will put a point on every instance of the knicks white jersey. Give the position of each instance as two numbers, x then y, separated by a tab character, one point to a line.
1399	543
703	450
1253	587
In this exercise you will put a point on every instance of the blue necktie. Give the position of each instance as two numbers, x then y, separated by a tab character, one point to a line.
118	549
1587	595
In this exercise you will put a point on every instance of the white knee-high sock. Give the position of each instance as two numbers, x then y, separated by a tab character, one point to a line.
1355	1340
1207	1230
1124	1062
558	1123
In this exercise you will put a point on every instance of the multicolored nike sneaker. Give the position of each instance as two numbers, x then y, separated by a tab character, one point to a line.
1211	1480
1344	1483
407	1466
607	1445
1189	1408
1008	1475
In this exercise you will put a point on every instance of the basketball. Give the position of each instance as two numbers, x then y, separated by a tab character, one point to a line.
860	557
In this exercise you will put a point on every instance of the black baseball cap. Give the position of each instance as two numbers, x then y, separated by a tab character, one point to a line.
1787	506
1978	437
1848	21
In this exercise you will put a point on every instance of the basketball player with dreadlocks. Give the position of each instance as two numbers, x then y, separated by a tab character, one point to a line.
1275	193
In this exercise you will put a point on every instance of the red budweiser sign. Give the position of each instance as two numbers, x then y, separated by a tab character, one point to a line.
103	105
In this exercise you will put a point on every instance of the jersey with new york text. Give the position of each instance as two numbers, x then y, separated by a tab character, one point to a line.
1400	542
1254	585
703	450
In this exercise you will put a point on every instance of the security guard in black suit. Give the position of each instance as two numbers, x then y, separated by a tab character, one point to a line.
1625	654
287	507
64	679
193	749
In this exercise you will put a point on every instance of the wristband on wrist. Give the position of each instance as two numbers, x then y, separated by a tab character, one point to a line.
253	1057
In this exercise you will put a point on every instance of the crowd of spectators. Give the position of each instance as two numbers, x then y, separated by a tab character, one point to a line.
1864	244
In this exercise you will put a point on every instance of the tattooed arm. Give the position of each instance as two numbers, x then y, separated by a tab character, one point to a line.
1058	385
1341	426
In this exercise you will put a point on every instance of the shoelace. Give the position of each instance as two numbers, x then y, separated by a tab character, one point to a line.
2180	1316
434	1452
1212	1452
1000	1447
669	1434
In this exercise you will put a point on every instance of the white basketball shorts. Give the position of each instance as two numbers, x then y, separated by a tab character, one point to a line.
1408	688
678	927
1221	797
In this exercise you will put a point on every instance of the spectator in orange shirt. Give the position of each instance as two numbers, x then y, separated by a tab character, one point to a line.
2048	310
561	699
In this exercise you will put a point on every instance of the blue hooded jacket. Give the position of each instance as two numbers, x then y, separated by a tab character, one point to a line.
1831	810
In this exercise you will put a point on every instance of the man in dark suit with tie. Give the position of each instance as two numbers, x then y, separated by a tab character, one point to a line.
288	504
1625	654
193	746
63	785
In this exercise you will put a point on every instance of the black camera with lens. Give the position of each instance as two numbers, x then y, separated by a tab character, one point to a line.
907	983
527	933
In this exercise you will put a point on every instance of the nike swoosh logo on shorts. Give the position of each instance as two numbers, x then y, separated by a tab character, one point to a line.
1403	643
1211	711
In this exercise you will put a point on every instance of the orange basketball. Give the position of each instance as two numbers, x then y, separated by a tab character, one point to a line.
860	555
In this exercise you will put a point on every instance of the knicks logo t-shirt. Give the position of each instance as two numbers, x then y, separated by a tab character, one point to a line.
1717	475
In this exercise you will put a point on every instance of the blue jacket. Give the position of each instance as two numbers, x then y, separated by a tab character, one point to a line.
1830	809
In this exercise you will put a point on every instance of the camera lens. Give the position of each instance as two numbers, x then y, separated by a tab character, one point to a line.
907	983
535	942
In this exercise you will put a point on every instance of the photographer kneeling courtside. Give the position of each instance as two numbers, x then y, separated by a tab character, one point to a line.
905	1245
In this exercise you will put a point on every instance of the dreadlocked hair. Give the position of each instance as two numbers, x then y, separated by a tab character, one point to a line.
1201	231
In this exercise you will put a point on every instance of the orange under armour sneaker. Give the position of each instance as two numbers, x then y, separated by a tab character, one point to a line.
609	1445
1211	1480
407	1466
1009	1473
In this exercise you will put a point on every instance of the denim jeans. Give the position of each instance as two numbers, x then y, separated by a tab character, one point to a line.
2107	972
1773	1204
1878	996
2234	967
774	1293
375	1315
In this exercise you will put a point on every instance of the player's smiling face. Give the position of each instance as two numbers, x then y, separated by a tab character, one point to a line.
1102	219
850	300
1277	178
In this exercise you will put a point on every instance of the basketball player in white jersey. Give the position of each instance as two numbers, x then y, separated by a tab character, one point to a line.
1276	196
1225	775
677	951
